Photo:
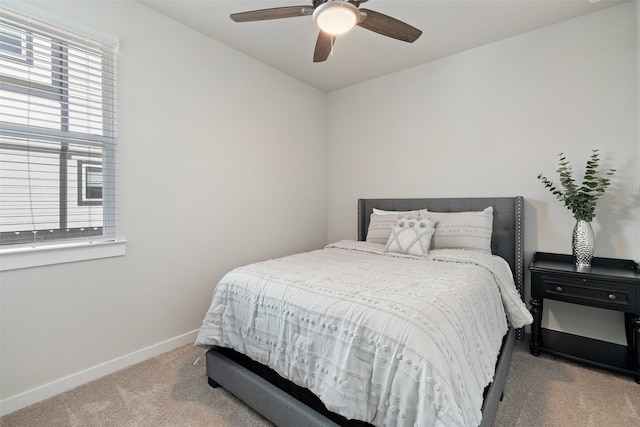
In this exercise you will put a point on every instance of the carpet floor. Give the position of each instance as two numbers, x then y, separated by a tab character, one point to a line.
169	390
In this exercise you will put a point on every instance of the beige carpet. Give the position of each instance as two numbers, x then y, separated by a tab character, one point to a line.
550	391
164	391
169	391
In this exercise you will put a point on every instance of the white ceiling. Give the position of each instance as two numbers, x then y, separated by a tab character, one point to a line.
449	26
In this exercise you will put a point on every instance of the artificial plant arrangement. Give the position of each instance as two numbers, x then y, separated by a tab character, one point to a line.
580	199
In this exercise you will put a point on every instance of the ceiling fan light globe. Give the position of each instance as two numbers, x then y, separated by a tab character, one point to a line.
336	17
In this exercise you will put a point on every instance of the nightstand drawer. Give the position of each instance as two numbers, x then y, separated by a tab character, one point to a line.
589	292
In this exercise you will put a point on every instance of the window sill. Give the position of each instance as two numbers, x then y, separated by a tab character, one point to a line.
14	259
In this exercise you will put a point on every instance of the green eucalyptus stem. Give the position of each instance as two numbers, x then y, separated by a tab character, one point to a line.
580	199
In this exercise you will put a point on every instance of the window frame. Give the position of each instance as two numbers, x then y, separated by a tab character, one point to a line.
104	242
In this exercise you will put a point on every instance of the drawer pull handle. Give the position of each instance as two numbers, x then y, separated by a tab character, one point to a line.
559	289
612	297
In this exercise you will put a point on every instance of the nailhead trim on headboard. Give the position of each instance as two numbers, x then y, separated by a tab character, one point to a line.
519	276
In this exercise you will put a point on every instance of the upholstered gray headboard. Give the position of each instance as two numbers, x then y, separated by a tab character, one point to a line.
507	239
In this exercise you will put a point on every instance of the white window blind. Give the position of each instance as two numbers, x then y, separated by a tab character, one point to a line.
57	135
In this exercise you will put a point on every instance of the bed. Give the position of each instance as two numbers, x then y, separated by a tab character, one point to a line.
351	364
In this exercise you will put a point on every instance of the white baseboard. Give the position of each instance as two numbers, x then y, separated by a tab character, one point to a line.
29	397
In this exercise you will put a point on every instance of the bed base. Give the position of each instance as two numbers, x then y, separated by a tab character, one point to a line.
259	394
242	377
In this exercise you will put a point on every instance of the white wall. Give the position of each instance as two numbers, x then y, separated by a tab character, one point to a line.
221	162
487	121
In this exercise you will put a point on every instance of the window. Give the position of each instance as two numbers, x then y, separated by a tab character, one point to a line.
57	135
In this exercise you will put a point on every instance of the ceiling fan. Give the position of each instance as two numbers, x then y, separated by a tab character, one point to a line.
335	17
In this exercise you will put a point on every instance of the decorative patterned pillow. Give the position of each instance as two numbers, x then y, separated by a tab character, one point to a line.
411	236
462	230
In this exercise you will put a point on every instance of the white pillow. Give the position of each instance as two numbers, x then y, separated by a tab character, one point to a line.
380	228
462	230
383	212
411	236
381	222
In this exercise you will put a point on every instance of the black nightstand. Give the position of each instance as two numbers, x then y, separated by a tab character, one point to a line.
609	283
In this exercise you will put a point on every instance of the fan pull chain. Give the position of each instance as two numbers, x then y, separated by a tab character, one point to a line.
333	39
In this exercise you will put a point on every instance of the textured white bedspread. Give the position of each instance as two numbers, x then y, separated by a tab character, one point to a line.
391	340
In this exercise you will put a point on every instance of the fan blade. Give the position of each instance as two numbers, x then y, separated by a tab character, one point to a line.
273	13
388	26
323	47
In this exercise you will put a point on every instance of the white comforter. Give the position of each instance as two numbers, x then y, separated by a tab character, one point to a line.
391	340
